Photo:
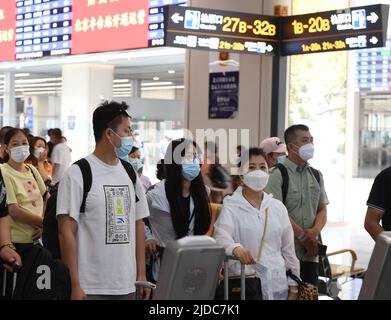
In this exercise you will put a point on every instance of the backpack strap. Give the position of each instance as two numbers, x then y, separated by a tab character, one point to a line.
86	173
316	174
131	173
285	181
35	178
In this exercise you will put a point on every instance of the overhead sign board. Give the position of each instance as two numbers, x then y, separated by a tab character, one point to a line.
197	28
348	29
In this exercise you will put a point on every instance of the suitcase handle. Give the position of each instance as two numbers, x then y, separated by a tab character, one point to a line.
242	278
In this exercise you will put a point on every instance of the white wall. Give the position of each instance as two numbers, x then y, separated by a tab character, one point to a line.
154	109
254	89
83	88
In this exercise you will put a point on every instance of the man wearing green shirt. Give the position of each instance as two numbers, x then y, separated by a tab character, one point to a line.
306	199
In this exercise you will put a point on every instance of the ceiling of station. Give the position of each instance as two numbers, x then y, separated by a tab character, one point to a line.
164	66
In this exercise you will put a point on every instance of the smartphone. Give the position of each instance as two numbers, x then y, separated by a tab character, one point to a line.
322	249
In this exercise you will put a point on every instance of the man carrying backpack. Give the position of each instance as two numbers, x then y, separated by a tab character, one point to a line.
102	233
301	188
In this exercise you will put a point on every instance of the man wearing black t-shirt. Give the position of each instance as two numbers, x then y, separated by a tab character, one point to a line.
379	205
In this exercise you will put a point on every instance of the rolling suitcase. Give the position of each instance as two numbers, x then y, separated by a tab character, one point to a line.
189	269
242	288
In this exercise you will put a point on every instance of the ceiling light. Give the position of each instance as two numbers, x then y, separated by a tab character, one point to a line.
146	84
38	85
171	71
162	88
38	80
19	75
37	89
156	78
120	80
40	92
122	85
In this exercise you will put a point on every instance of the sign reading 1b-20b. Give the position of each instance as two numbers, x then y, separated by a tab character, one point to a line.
196	28
348	29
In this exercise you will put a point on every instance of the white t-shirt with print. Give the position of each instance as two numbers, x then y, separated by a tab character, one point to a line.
106	230
61	155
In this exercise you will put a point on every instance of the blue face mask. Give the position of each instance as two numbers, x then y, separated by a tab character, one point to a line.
125	148
191	169
281	159
136	164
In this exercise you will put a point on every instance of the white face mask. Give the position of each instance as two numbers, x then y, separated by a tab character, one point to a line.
306	152
20	154
256	180
38	152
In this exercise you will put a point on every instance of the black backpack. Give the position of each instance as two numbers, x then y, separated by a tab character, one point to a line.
50	228
41	277
285	179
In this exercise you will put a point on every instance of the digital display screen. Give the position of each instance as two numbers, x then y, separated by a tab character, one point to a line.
43	28
348	29
372	72
39	28
156	20
196	28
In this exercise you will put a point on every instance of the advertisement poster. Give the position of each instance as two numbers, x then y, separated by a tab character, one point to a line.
223	85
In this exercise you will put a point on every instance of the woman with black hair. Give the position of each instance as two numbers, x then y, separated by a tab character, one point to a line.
38	158
26	190
255	228
179	204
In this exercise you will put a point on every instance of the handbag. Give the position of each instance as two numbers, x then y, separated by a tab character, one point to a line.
253	289
307	291
253	284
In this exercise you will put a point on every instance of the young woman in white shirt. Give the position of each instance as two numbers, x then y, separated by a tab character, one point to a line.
179	204
255	228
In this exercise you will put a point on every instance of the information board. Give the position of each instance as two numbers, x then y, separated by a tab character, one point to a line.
348	29
197	28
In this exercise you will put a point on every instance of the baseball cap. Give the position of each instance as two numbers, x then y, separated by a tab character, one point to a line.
273	144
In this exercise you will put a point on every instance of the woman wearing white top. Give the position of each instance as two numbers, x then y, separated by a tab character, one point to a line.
179	204
255	228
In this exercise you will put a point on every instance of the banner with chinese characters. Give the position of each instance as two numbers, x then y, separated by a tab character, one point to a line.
7	30
223	85
108	25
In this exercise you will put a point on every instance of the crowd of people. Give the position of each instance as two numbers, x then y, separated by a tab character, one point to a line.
115	232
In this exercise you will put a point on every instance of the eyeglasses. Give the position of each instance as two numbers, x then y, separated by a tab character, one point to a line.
119	112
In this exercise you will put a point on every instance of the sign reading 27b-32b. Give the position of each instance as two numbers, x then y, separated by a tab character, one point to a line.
196	28
348	29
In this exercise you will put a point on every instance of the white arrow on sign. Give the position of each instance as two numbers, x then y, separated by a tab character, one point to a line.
176	17
269	48
373	40
373	17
